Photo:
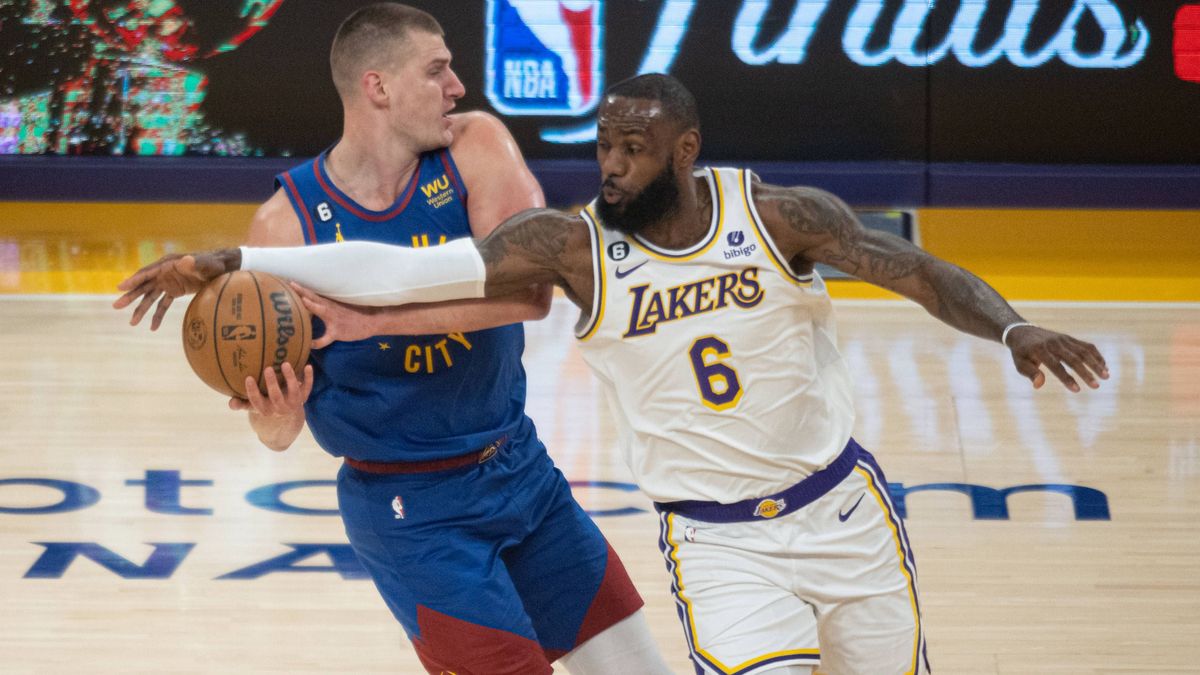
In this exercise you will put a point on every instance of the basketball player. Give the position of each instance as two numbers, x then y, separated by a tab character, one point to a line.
703	316
449	499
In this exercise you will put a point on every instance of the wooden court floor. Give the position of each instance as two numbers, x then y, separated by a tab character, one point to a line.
144	529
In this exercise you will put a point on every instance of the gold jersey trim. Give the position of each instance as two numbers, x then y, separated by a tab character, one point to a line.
596	235
714	228
760	231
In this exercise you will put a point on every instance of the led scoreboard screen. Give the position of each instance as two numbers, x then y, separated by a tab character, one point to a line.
1030	81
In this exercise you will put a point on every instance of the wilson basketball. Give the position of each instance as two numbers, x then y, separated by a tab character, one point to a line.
242	323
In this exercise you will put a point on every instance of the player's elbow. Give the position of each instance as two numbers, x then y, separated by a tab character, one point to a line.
274	445
542	299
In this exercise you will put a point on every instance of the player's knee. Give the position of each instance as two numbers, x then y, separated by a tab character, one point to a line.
624	647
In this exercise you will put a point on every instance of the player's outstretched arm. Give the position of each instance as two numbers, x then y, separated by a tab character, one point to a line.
538	246
348	323
527	254
170	277
820	228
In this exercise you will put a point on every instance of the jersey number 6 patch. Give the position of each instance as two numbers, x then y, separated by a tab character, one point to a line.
718	383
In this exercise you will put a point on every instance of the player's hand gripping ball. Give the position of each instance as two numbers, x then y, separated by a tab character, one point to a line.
242	323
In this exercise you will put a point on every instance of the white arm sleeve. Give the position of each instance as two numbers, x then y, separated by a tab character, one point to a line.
369	273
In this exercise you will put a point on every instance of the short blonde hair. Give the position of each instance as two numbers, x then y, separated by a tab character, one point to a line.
371	37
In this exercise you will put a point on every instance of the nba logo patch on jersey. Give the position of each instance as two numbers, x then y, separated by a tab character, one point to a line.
769	508
544	57
398	507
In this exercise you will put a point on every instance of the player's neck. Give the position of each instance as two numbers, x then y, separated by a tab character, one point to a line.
373	172
688	223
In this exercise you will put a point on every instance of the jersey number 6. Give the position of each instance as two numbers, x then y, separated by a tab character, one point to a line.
718	383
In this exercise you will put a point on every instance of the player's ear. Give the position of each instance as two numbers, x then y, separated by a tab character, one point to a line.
687	148
373	87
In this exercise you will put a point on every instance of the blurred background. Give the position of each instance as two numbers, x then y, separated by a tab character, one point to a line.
1011	136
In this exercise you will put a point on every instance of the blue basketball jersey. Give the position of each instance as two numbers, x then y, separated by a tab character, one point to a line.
406	398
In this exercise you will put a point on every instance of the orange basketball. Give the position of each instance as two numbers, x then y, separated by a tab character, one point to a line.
240	324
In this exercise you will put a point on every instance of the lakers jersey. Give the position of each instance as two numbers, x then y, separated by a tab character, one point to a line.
396	398
719	362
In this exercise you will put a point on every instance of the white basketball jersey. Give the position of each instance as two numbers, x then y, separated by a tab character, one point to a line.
718	361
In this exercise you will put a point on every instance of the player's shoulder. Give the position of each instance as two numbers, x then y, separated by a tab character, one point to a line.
770	198
549	218
477	129
542	224
483	149
275	223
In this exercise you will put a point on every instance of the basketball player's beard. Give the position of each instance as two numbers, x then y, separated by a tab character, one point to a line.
654	203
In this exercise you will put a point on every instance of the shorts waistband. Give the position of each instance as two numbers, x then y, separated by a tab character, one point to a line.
479	456
779	504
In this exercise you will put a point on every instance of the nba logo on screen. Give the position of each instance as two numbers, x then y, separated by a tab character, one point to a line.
544	57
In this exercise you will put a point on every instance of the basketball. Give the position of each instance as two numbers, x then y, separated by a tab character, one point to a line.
240	324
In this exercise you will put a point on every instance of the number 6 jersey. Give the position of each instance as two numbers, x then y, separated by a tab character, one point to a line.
719	362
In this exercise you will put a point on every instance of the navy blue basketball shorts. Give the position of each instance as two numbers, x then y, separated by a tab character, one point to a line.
491	568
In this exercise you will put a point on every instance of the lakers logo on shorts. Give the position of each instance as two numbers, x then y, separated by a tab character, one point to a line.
769	508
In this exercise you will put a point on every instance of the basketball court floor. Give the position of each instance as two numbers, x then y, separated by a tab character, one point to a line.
144	529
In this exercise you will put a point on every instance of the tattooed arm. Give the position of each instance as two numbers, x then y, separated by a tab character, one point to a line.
816	226
539	246
526	253
812	226
536	246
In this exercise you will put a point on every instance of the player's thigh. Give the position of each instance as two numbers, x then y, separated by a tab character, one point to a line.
871	636
570	579
445	583
737	613
863	581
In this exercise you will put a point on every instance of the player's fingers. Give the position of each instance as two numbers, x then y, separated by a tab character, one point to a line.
159	312
1075	359
142	308
308	381
255	398
129	298
274	393
1056	366
141	290
303	291
1039	379
236	403
123	301
327	338
318	308
147	272
291	384
135	280
1094	359
1030	369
